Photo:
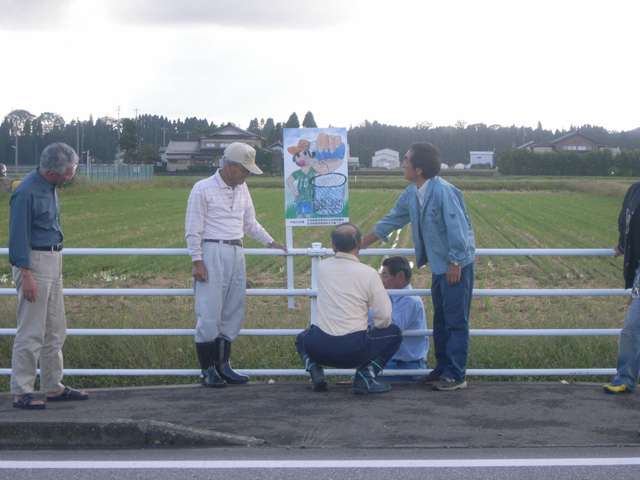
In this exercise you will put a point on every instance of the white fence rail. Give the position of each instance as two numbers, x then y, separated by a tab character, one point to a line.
316	254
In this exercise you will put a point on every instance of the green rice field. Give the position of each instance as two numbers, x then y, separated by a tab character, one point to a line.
505	212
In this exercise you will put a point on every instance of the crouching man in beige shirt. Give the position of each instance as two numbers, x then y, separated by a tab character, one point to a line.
342	338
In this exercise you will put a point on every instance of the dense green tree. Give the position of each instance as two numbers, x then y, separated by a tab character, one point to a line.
147	154
275	135
596	163
293	121
265	159
309	121
50	121
267	129
17	120
254	127
129	139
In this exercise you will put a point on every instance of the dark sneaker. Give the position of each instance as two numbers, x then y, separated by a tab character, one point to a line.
434	376
447	383
616	387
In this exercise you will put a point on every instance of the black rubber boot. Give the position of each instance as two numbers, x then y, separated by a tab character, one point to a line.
221	355
209	376
365	379
316	372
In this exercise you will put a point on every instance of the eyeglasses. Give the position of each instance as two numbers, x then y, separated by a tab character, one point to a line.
72	173
243	170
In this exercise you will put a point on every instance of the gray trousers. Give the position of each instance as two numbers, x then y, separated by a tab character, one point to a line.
220	302
42	327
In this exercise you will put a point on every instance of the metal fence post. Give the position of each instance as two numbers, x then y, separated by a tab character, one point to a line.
315	252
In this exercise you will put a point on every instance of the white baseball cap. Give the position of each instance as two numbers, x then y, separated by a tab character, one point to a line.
243	154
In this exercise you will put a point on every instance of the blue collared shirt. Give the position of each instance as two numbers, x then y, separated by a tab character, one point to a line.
408	314
34	218
441	230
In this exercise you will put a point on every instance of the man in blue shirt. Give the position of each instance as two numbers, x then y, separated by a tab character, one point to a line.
443	236
408	314
35	251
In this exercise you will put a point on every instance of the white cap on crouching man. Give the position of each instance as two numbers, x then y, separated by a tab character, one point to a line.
244	155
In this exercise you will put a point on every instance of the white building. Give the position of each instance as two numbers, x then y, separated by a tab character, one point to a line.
352	161
479	158
386	158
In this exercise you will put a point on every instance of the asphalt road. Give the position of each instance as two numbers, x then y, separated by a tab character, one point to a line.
290	415
283	463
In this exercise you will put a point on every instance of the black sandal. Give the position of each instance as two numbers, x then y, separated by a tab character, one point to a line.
26	402
68	394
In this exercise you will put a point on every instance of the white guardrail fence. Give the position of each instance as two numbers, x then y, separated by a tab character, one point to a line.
316	253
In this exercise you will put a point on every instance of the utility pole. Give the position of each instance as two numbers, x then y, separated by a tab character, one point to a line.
137	129
164	130
118	128
78	137
16	132
82	141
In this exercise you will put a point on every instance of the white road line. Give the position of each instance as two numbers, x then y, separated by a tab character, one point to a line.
266	464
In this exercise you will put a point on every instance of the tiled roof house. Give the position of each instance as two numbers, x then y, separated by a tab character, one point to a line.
207	150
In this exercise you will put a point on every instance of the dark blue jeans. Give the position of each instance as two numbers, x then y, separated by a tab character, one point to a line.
451	307
349	351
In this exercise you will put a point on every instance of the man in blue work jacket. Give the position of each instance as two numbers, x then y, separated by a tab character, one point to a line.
443	236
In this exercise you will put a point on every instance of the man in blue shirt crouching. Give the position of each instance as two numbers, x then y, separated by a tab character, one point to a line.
408	314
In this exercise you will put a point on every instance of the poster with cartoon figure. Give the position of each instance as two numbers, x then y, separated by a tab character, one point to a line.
316	173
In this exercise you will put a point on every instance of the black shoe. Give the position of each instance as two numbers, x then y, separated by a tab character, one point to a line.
433	377
221	355
318	381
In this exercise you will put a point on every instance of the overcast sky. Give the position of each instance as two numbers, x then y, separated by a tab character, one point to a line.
398	61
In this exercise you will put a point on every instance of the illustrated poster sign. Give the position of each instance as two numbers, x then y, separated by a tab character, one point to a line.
316	176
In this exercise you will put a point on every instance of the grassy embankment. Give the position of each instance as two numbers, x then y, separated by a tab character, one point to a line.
506	212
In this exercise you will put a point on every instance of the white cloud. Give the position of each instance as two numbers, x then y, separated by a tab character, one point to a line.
255	14
397	62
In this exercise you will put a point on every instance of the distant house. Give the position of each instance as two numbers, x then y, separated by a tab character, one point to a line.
277	147
481	158
207	150
534	147
574	141
386	158
571	142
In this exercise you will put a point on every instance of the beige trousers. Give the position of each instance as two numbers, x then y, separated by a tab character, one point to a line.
42	327
221	301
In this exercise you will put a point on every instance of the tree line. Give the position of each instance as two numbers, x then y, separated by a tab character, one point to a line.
141	138
595	163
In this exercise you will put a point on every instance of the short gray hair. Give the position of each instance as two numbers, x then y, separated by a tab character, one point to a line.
58	158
